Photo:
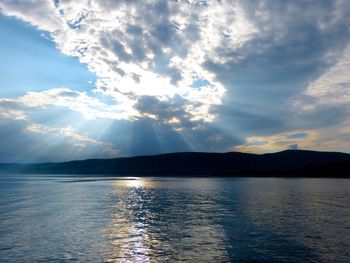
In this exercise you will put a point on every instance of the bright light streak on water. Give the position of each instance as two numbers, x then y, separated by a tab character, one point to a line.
70	219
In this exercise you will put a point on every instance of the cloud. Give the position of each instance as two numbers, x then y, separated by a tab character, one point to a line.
23	141
293	147
196	50
169	112
10	110
40	13
89	106
278	142
62	116
144	48
332	138
276	75
200	75
333	86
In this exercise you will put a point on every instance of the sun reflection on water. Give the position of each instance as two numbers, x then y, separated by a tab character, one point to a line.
174	220
137	182
126	233
149	225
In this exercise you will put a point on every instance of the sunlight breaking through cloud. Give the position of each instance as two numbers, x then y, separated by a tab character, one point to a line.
136	53
76	139
165	76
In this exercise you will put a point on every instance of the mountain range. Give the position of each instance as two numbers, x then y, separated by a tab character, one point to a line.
285	163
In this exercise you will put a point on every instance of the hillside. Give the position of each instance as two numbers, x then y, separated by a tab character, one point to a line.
286	163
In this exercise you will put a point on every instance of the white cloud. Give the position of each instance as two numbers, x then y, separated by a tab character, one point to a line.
89	107
141	48
39	13
333	87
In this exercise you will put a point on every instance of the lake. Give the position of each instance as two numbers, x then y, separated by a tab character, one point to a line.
99	219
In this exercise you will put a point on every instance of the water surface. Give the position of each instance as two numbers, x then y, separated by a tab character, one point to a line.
69	219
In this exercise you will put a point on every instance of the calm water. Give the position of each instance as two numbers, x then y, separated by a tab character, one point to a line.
67	219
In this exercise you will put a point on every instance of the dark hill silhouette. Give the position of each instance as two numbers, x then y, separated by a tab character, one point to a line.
286	163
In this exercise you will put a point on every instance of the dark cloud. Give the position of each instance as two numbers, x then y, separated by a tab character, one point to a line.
264	71
293	147
163	110
164	32
265	75
71	94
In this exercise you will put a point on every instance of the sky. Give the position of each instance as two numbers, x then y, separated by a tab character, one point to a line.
105	78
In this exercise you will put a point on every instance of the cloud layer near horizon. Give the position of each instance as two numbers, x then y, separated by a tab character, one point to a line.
198	75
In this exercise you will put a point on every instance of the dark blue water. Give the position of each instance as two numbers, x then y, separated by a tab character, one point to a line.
69	219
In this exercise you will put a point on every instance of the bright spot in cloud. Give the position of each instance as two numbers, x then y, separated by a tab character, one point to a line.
179	76
135	53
